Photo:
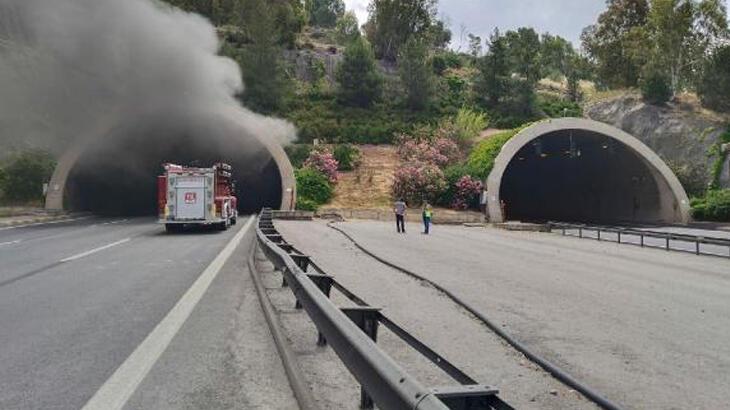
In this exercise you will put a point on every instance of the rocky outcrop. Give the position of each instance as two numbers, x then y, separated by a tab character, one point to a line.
681	133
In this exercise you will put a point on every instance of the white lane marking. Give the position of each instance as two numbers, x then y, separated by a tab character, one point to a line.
45	223
11	242
116	222
95	250
117	390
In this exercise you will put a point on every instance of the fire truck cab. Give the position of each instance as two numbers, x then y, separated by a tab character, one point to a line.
196	196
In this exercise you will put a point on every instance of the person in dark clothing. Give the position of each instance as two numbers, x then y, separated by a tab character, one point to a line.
399	208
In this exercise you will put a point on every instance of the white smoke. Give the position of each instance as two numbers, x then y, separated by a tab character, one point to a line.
66	65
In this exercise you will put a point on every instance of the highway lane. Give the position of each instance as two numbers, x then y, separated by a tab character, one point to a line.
76	299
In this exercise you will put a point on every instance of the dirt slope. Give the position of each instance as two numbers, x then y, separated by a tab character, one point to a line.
369	186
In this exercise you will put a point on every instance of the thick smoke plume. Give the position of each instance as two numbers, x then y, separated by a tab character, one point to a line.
70	68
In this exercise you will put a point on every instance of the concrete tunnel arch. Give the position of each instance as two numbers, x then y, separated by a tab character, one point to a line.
59	189
575	169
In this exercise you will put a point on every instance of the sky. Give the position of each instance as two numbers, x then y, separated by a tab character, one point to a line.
566	18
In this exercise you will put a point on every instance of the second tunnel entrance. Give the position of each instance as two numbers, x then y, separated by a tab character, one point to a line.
576	170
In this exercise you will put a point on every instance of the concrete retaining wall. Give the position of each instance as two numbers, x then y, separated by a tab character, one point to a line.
442	217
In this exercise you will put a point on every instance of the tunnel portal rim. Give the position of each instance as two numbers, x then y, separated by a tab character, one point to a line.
57	186
526	136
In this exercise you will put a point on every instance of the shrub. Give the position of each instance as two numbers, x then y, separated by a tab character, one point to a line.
445	60
439	152
655	88
469	124
304	204
348	156
714	206
467	194
481	160
555	107
692	176
418	182
312	186
322	160
26	174
3	179
452	175
298	153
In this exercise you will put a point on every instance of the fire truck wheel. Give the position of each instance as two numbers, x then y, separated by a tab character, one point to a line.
172	228
234	219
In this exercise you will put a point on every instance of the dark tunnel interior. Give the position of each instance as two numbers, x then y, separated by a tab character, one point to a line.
120	178
580	176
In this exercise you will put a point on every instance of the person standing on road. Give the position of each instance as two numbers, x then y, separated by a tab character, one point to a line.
400	215
427	216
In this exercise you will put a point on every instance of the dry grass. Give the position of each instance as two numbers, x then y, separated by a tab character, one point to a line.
370	185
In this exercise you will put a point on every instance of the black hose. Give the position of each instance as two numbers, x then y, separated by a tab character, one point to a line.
551	368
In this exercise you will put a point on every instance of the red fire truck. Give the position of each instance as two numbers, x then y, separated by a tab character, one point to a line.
196	196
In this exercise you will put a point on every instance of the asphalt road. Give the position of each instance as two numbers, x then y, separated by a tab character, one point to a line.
646	327
78	298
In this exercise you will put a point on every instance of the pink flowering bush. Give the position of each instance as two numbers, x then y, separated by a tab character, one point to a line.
323	161
440	152
467	193
418	181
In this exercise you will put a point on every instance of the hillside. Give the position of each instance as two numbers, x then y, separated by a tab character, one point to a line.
369	186
681	132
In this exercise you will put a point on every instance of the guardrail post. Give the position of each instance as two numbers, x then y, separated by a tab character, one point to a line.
366	318
697	246
580	232
641	237
599	235
323	282
619	236
301	260
667	238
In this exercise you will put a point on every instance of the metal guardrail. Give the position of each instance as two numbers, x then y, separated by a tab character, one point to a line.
352	334
665	237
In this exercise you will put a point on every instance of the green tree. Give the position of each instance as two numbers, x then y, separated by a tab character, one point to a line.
26	174
493	78
555	55
347	29
713	86
325	13
440	35
393	22
523	48
416	74
475	46
681	32
358	77
615	43
261	61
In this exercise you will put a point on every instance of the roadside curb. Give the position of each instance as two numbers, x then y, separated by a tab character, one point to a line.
40	220
297	381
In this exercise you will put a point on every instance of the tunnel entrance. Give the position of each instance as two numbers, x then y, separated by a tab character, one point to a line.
579	170
578	175
118	175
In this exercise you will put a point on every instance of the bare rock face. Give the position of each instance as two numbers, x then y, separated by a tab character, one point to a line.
681	133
